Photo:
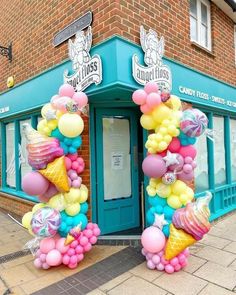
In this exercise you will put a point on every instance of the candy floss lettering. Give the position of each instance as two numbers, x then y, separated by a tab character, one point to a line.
155	70
88	70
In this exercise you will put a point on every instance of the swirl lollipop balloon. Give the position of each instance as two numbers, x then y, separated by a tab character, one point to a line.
194	218
193	122
41	149
45	222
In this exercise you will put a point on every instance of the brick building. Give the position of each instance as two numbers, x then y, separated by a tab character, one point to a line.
200	50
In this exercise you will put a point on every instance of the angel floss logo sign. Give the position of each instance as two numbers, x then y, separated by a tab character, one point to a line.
153	52
88	70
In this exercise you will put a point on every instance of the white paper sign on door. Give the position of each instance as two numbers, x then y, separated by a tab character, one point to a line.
117	160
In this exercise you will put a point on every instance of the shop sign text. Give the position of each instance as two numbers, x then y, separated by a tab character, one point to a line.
153	52
4	110
88	70
206	96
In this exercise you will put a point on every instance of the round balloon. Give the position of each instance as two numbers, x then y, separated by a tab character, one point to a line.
71	125
193	122
45	222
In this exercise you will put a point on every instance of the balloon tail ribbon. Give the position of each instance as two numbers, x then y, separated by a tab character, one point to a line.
211	134
16	221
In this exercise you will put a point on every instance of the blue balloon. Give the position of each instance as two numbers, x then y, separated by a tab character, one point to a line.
186	140
56	133
155	201
166	230
81	218
84	208
76	142
159	209
68	141
69	220
150	217
64	147
168	212
72	150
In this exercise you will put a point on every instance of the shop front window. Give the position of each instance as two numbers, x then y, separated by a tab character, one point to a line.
219	151
25	167
10	155
201	171
233	148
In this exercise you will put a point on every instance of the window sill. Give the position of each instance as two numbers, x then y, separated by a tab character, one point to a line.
198	46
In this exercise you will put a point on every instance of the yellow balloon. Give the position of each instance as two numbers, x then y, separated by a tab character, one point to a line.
26	220
179	187
151	191
73	195
184	198
147	122
52	124
71	125
161	113
174	202
41	125
154	181
38	206
174	103
162	146
57	202
163	190
46	108
73	209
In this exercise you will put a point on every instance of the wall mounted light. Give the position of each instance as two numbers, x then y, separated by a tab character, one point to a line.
6	51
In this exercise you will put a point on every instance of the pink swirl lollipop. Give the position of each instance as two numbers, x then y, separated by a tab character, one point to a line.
193	122
45	222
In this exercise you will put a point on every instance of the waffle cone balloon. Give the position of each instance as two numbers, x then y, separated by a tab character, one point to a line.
41	149
178	241
56	173
194	218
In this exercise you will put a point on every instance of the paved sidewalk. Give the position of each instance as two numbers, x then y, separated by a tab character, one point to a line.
121	270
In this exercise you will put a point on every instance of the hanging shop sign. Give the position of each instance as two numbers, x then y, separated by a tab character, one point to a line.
153	52
206	96
88	70
69	31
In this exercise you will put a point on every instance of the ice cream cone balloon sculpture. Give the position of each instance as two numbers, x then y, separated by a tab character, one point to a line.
62	232
176	220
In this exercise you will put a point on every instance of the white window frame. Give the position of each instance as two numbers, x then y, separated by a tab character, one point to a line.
198	41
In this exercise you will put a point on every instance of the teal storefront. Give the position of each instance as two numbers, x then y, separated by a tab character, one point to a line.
117	182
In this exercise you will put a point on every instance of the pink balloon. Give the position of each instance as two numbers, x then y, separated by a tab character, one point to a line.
33	183
188	160
66	259
42	199
187	168
154	166
90	225
175	145
72	266
81	98
80	257
42	257
185	176
74	244
139	97
50	192
169	268
188	150
93	240
181	258
153	100
66	90
54	99
73	176
150	264
73	259
54	258
71	252
79	249
68	163
145	109
151	87
160	267
164	261
156	259
47	245
83	241
45	265
177	267
73	157
96	231
60	246
37	263
174	261
88	233
87	247
153	239
75	165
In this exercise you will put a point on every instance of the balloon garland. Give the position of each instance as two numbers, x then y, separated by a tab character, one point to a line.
176	220
59	222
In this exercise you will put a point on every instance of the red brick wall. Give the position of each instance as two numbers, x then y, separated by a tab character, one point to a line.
31	25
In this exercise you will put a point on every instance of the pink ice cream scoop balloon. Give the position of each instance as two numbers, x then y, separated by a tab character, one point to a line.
194	218
41	149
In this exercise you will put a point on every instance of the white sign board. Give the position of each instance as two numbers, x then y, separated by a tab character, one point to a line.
88	70
155	70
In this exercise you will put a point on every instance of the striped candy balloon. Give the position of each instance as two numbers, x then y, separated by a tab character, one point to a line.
45	222
193	122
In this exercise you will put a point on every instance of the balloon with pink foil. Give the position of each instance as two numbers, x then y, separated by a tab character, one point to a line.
41	149
194	218
193	122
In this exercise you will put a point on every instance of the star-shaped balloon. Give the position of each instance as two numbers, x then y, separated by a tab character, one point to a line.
171	159
159	221
50	115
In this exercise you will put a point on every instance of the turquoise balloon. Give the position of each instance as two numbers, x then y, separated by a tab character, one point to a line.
168	212
84	207
166	230
159	209
56	133
150	217
69	220
76	143
81	218
72	150
155	201
68	141
64	147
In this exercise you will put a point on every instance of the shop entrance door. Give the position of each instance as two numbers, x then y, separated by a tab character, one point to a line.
118	201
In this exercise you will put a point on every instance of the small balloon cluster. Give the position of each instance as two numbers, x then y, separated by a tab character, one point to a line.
59	222
176	220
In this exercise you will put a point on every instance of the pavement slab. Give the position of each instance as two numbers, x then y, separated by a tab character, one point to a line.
211	289
194	263
181	283
215	241
217	274
231	247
